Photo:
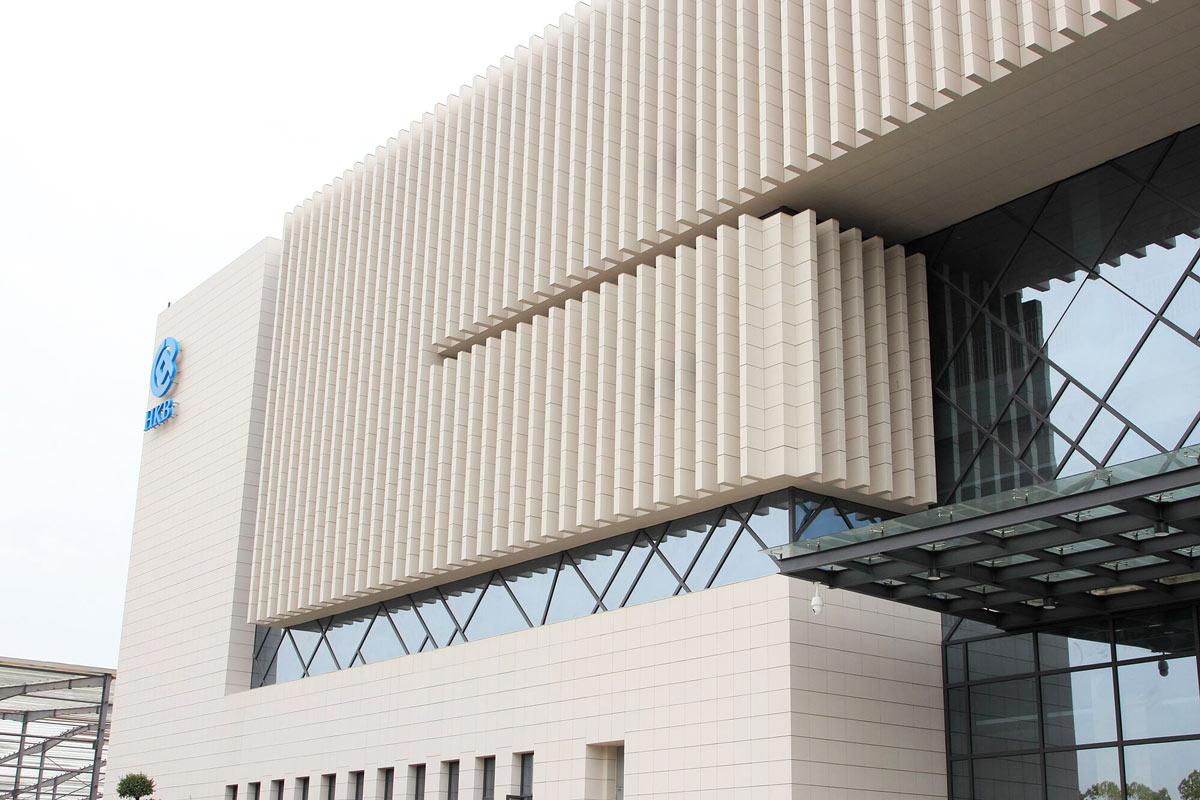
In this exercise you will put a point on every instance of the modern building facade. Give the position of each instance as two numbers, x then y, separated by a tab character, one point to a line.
513	468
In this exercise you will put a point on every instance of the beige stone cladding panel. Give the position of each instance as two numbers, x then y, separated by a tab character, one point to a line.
733	692
630	125
185	639
780	352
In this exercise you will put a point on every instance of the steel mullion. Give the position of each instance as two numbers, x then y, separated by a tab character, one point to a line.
991	289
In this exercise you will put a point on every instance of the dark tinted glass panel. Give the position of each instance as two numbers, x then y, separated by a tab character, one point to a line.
960	721
1075	646
1004	716
993	658
1159	698
1163	633
418	782
960	780
955	666
969	629
1084	212
487	778
527	774
1060	289
1012	778
264	661
1157	771
452	780
1078	708
1091	774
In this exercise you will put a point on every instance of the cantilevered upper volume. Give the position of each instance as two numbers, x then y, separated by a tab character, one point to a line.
550	310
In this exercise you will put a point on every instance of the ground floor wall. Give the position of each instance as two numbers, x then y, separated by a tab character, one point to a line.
736	691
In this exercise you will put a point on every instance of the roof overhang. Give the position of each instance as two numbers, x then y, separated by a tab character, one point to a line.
1111	540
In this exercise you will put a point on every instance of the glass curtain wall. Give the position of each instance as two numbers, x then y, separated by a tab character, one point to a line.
1099	710
688	555
1065	325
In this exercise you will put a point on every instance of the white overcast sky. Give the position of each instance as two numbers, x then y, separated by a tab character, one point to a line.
143	146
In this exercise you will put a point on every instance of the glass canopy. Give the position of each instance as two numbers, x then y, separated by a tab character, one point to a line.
1107	540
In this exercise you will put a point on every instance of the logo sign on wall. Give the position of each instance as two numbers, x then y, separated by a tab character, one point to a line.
162	377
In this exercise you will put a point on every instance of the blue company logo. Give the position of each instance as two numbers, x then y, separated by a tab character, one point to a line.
162	376
159	414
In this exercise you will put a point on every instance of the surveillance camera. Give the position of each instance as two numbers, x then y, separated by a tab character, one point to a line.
818	605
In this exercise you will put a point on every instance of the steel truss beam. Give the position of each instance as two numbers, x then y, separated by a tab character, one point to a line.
48	782
898	567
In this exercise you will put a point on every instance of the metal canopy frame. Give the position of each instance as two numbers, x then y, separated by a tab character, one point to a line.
1116	540
54	723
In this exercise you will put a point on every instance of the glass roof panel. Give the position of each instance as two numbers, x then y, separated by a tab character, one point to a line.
1159	464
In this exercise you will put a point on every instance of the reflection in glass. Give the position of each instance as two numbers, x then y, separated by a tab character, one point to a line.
1078	708
960	780
960	722
1078	645
346	631
1067	280
770	518
306	636
1008	655
825	521
1152	634
531	581
681	544
1159	698
268	645
437	620
322	661
747	560
1167	359
1011	778
655	582
1091	774
955	664
462	598
1004	716
622	582
1171	767
381	642
571	597
404	617
711	548
497	614
714	551
288	666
